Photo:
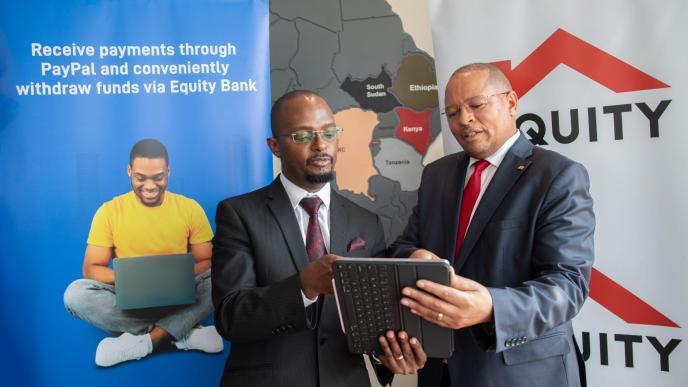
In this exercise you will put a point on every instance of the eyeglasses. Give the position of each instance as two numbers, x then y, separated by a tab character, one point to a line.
472	104
306	136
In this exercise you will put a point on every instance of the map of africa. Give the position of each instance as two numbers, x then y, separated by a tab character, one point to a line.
381	87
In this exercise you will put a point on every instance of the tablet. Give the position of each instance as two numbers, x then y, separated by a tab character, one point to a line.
368	291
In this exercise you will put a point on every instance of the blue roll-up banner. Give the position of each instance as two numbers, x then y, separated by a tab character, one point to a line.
80	83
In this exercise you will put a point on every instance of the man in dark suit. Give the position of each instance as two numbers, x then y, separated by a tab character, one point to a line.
272	276
517	222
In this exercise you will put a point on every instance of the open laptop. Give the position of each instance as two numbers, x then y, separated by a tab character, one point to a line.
153	281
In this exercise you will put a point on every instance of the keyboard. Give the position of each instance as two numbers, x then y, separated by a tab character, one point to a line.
368	291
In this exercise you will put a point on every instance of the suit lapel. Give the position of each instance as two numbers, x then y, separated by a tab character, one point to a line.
452	202
514	164
339	223
280	207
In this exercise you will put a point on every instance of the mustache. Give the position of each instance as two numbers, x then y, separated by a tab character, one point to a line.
320	155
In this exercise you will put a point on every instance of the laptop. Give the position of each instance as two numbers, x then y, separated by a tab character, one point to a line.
154	281
368	290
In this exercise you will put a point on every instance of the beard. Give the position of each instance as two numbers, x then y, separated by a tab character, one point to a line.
320	178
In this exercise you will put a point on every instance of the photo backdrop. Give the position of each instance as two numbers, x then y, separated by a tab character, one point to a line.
80	83
603	83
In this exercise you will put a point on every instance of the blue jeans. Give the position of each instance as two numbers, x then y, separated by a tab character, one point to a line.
94	302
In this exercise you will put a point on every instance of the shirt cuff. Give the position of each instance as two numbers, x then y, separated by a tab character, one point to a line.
307	301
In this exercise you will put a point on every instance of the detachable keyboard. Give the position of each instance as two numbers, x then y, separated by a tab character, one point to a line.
368	291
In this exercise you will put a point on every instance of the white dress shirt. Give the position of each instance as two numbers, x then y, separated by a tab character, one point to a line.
495	160
295	194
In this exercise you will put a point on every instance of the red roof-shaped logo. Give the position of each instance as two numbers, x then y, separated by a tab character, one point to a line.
623	303
563	48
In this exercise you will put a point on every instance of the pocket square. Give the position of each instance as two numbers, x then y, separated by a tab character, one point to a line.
356	244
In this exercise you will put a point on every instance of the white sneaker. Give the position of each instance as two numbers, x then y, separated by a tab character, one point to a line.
201	338
114	350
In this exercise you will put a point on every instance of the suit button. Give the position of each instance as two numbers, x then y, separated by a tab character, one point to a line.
322	341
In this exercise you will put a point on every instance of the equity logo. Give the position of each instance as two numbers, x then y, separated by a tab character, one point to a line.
564	48
623	303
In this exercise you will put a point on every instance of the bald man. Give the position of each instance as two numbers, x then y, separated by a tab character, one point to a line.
517	222
272	274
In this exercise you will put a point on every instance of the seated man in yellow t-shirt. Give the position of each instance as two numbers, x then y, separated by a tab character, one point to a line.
148	220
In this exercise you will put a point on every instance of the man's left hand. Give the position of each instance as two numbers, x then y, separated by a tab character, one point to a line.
401	354
464	304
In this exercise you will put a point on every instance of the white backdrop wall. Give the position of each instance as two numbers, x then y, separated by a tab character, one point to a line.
604	83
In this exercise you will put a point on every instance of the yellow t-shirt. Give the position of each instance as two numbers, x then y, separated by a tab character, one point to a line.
135	230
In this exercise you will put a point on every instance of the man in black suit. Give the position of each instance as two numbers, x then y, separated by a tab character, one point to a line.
272	276
517	222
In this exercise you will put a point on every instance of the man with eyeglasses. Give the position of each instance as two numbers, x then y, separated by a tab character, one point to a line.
517	223
272	274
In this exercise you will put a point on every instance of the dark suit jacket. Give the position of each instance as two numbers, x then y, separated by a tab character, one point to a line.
258	251
531	243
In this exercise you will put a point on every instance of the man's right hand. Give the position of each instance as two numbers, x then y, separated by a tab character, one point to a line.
316	278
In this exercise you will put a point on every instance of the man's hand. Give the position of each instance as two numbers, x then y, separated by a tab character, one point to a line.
316	278
423	254
464	304
401	355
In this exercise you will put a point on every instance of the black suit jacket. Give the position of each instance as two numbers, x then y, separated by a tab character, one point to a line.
531	243
258	252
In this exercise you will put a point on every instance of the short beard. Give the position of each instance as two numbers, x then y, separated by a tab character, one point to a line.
323	177
320	178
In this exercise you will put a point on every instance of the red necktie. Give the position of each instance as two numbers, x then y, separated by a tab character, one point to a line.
470	196
315	245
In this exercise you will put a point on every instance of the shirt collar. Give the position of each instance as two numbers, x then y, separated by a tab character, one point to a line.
296	193
497	157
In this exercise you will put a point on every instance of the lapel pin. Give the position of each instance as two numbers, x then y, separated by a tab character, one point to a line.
521	167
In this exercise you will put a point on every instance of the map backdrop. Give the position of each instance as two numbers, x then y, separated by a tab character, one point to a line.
381	87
